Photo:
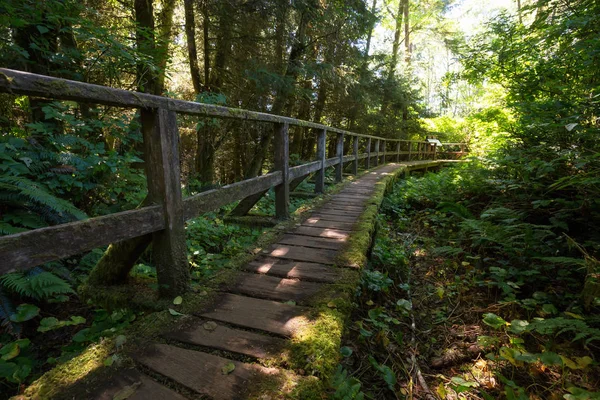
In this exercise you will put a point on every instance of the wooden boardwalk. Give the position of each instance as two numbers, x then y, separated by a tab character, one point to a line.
255	315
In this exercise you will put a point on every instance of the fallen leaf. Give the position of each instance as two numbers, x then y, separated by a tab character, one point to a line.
175	313
210	325
228	368
177	300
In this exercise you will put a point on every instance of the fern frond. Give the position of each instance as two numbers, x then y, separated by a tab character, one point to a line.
35	284
37	193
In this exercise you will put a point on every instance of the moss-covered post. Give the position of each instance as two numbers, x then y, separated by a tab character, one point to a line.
321	150
355	151
282	191
368	159
383	152
434	152
410	146
169	249
376	152
339	153
398	151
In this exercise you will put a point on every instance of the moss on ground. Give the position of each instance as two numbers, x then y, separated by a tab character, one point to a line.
88	367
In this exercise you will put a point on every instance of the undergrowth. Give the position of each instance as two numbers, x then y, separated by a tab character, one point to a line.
477	288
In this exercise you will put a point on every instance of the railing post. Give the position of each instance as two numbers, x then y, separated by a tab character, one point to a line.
368	159
282	159
355	150
169	250
339	153
410	146
434	152
383	159
398	151
320	175
376	152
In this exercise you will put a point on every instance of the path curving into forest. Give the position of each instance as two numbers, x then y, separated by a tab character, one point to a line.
221	352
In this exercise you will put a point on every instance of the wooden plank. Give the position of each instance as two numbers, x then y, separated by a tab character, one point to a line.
308	241
298	253
282	159
265	315
222	337
322	223
368	159
321	232
330	162
334	211
169	249
38	246
201	372
20	82
109	387
305	271
216	198
304	169
338	218
321	154
339	152
355	152
273	288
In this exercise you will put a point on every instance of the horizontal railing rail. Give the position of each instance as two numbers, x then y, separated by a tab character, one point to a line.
166	217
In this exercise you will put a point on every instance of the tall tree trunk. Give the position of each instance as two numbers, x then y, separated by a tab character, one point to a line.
206	41
190	33
358	105
283	94
120	257
391	72
164	36
407	49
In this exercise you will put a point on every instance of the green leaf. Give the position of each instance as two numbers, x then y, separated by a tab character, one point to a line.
388	376
346	351
494	321
175	313
487	341
177	300
549	358
25	312
518	326
42	29
228	368
48	324
404	304
10	351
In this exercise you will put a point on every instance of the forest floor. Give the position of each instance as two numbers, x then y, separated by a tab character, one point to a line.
427	323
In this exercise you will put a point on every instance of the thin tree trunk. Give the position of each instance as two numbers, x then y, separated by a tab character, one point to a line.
407	50
283	94
165	33
190	33
391	73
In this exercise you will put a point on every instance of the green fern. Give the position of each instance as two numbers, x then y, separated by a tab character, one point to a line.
36	283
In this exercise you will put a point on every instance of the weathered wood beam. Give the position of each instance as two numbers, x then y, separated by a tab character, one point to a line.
282	159
368	160
216	198
169	249
321	154
355	152
36	247
20	82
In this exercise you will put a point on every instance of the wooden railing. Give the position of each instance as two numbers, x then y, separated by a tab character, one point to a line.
167	216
